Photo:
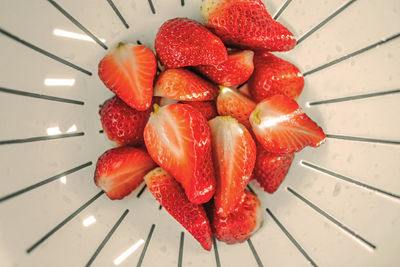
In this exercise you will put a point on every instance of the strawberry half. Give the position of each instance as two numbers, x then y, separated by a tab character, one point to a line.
231	102
183	42
182	84
234	153
241	224
120	170
178	138
207	108
171	196
272	76
247	24
128	70
235	71
282	127
271	169
123	124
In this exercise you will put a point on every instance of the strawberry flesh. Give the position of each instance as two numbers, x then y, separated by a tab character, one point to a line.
207	108
172	197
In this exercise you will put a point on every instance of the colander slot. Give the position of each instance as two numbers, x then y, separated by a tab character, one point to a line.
363	139
146	245
365	242
44	52
291	238
40	138
180	255
216	254
119	15
65	221
253	250
151	6
141	191
281	9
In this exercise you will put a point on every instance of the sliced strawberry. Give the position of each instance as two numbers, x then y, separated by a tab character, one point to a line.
271	169
281	126
120	170
242	223
247	24
232	103
235	71
123	124
207	108
272	76
171	196
128	70
234	153
178	138
183	42
182	84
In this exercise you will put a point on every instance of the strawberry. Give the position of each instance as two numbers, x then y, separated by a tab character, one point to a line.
271	169
183	42
123	124
272	76
235	71
171	196
182	84
120	170
128	70
207	108
233	103
247	24
282	127
234	153
242	223
178	139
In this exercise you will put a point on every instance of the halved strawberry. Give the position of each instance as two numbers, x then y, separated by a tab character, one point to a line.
272	76
233	103
207	108
242	223
182	84
183	42
178	138
128	70
235	71
171	196
123	124
271	169
120	170
282	127
234	153
247	24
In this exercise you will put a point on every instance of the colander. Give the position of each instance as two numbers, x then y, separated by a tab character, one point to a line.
339	204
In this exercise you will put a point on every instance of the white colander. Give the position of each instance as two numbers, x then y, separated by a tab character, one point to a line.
339	205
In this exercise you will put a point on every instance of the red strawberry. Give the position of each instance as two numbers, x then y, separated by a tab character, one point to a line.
272	76
183	42
239	225
182	84
234	153
120	170
271	169
172	197
235	71
247	24
207	108
282	127
128	70
178	138
233	103
123	124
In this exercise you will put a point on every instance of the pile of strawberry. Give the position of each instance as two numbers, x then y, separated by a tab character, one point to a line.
208	141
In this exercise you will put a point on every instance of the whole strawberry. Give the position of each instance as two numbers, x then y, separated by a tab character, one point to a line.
235	71
183	42
272	76
271	169
120	170
247	24
171	196
123	124
178	138
128	70
242	223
